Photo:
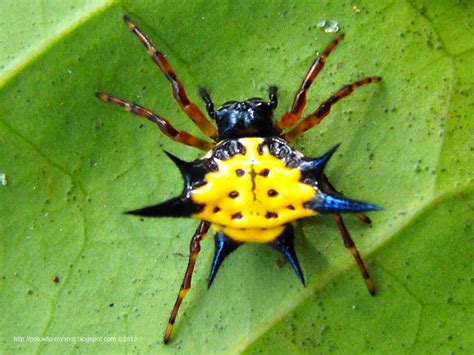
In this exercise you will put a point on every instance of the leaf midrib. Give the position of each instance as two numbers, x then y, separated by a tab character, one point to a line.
287	307
30	57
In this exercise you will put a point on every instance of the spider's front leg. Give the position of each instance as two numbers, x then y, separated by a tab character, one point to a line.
189	107
299	102
163	124
323	110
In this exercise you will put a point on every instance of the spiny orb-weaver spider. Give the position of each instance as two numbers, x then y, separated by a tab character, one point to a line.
251	185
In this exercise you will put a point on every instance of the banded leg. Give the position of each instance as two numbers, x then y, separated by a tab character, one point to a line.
349	244
299	102
190	108
163	124
195	248
323	110
364	218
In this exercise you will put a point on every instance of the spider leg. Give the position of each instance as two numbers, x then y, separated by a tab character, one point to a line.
190	108
323	110
299	102
195	248
364	218
349	244
163	125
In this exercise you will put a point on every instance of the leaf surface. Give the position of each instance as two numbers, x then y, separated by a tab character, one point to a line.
72	265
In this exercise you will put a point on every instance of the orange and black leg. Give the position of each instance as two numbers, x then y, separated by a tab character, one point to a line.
349	244
190	108
299	102
195	248
364	218
163	124
323	110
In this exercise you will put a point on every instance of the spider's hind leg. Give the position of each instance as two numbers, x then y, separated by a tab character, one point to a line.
195	248
348	242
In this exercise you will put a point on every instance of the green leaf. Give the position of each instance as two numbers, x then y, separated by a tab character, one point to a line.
72	265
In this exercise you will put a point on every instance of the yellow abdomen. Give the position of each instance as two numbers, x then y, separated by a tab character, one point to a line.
253	195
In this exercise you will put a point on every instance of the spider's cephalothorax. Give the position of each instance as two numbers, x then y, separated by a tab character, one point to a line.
250	118
252	185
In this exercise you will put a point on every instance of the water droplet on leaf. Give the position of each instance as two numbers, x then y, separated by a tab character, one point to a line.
328	26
